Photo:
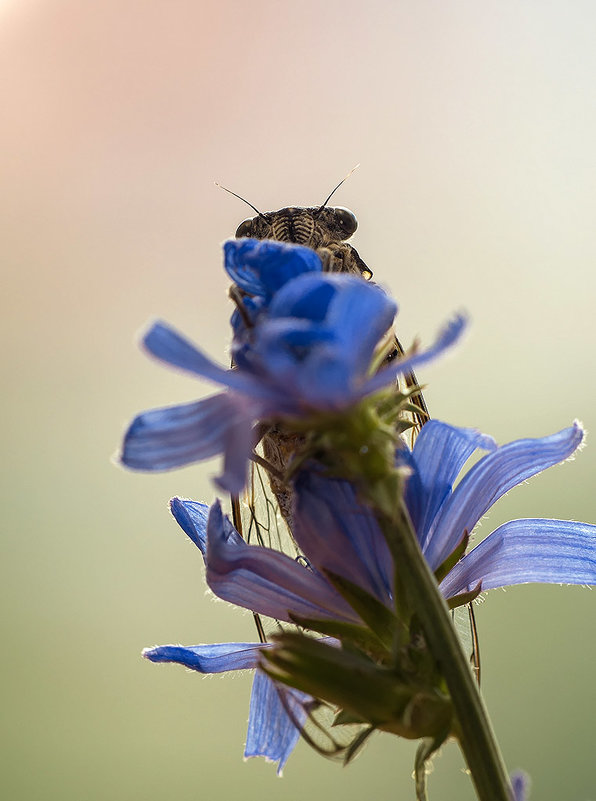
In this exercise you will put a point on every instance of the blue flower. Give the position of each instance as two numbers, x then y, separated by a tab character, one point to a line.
337	533
310	352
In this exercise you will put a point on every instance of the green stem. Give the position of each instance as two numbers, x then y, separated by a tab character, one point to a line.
475	733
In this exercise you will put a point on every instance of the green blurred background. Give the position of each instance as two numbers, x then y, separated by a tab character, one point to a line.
475	126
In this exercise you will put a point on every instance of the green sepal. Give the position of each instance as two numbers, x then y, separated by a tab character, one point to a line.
321	735
465	597
382	351
343	678
344	718
357	685
358	636
404	425
355	746
427	712
412	407
390	408
425	750
375	614
393	523
453	558
417	661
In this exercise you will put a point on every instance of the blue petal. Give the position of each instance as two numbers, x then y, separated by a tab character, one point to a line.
338	533
306	297
303	364
520	784
169	346
439	453
252	309
361	314
174	436
322	361
447	337
528	551
266	581
491	478
216	658
192	519
290	335
326	381
262	267
276	713
355	313
239	446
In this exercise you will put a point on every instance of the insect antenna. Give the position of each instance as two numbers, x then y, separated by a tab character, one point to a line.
343	180
244	200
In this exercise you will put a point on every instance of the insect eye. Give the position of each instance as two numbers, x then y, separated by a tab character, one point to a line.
244	229
346	221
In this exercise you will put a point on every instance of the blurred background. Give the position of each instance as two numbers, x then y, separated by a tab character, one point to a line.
474	124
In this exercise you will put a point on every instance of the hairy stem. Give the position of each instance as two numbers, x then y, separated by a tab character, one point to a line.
474	730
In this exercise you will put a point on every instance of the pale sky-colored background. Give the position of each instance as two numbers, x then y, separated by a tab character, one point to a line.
475	127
